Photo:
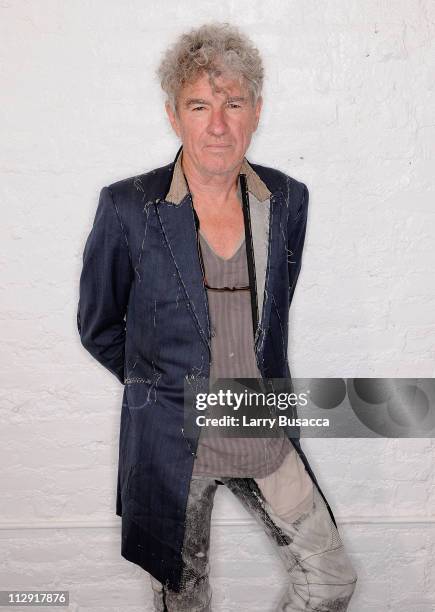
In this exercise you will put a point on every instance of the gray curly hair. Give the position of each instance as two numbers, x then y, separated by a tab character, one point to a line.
214	49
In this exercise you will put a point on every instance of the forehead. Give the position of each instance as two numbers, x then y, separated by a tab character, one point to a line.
220	86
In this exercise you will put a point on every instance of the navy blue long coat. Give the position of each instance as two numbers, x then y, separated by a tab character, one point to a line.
142	313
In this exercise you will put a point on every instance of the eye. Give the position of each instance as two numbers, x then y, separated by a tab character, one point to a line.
198	108
234	105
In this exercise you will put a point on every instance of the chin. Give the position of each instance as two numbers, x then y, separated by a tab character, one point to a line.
219	163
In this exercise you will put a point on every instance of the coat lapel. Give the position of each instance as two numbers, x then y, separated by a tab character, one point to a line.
260	229
265	231
179	229
265	224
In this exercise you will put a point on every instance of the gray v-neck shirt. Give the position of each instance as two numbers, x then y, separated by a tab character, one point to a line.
233	356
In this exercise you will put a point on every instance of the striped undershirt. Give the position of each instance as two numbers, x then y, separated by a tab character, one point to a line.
233	356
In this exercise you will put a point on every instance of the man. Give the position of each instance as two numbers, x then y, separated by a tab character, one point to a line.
188	275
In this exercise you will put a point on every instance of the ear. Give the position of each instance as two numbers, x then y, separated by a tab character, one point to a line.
172	118
257	111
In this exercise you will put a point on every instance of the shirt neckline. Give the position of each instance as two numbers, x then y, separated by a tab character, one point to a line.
225	259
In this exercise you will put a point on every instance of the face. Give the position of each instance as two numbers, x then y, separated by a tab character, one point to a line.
216	124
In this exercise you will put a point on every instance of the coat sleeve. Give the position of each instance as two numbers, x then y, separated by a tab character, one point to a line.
105	283
296	233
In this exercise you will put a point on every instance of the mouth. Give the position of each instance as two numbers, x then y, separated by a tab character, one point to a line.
218	147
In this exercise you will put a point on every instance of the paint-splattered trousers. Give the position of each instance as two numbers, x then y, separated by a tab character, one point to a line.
321	577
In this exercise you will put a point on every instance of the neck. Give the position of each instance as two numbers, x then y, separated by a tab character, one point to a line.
215	188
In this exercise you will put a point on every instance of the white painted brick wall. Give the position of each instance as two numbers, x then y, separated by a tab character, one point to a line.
349	109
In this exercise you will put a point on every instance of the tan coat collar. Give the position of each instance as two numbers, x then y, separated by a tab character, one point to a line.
178	188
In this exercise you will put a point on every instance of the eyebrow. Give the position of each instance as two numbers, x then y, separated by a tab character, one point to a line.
191	101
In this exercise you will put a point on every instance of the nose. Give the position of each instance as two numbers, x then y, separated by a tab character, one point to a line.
217	124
